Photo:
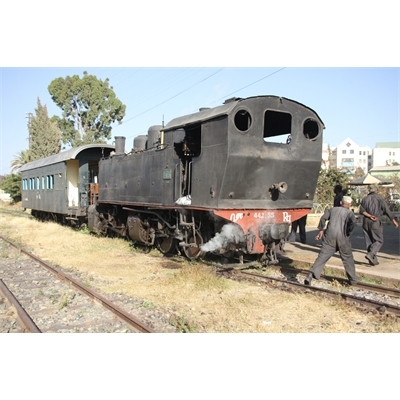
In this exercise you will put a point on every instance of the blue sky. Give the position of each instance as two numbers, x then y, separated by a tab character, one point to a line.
360	103
167	59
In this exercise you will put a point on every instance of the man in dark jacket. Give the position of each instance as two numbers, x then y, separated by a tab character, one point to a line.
373	207
336	237
338	195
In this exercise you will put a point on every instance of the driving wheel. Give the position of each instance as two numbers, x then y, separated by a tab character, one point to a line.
192	253
167	245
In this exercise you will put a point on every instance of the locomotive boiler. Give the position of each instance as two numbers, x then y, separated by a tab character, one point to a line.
227	180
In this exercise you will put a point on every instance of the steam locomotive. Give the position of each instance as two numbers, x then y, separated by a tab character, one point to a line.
227	180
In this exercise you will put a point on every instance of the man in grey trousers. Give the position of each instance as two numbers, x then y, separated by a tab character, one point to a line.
373	207
336	238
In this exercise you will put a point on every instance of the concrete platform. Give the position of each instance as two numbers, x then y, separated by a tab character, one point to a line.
388	257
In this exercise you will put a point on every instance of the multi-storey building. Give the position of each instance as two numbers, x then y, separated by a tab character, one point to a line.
386	153
349	156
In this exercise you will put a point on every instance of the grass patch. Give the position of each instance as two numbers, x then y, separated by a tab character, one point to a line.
198	277
63	301
182	324
201	301
147	304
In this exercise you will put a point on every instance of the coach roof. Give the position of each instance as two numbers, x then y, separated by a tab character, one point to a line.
70	154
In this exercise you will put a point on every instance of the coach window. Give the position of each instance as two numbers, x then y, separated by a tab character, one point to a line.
50	181
43	185
310	129
37	183
277	127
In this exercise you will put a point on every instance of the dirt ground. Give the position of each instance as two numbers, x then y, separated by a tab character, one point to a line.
195	299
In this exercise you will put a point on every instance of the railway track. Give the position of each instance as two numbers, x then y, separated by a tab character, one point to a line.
380	299
45	299
371	297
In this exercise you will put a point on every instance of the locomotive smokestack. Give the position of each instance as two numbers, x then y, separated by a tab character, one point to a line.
119	145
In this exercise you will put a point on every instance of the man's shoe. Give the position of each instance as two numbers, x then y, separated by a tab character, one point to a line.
308	280
291	238
371	259
355	281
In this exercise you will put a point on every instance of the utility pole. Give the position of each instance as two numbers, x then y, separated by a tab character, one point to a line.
28	117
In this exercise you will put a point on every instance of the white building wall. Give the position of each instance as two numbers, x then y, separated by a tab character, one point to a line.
4	196
325	156
385	156
349	156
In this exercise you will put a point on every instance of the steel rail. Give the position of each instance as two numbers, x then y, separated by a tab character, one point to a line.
23	316
361	285
369	303
128	318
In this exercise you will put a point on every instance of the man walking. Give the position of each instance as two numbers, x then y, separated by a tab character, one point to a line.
301	224
373	207
336	238
338	195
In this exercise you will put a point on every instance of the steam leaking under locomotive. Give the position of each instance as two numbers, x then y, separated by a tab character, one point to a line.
228	179
230	234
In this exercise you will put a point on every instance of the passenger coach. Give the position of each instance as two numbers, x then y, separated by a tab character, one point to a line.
62	186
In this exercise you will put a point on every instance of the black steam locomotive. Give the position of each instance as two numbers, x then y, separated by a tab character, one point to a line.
227	180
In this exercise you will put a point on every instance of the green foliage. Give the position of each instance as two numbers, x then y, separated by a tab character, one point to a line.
85	229
89	107
44	138
64	301
11	184
395	179
359	172
44	134
327	180
147	304
182	325
385	191
21	158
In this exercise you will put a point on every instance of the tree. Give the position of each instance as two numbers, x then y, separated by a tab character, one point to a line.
392	163
44	134
89	107
20	159
327	180
359	172
11	184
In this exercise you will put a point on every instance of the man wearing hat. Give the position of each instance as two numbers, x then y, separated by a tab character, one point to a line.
372	207
336	237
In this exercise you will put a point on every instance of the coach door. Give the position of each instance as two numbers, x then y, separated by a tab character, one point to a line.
72	183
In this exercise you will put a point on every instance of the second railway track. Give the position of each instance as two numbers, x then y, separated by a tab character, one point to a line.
371	297
56	302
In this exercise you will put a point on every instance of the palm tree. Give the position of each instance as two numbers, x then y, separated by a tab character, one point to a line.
19	160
